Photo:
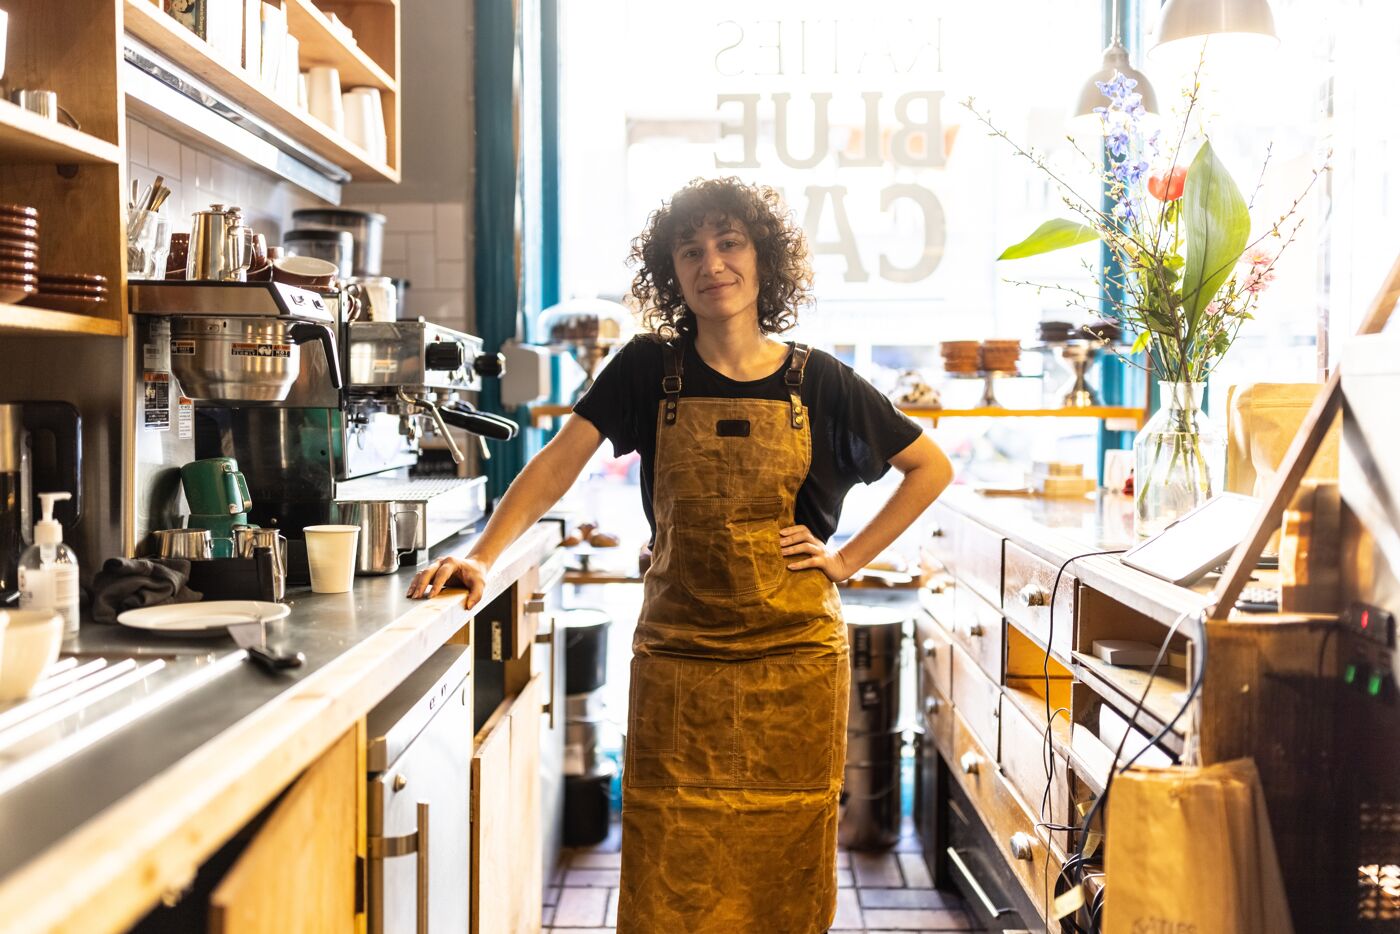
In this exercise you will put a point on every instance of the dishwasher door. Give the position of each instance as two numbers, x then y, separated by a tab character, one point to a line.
419	828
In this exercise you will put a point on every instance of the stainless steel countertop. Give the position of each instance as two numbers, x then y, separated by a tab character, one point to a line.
43	810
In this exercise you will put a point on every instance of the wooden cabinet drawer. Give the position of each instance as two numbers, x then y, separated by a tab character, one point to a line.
977	627
978	699
1011	826
935	651
977	559
1023	763
1026	599
942	535
936	717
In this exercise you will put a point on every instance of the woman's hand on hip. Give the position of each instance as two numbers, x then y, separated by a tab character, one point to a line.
469	573
799	540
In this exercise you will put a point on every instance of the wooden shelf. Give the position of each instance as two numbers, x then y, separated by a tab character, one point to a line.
1097	411
30	319
188	51
321	44
1121	687
27	137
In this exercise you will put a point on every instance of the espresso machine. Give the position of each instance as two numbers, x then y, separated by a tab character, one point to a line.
321	414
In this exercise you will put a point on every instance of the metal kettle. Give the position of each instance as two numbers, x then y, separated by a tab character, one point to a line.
221	246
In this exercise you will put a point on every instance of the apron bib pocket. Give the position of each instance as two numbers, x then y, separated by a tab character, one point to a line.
729	550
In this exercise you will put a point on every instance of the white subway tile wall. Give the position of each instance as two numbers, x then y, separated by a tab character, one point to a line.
424	242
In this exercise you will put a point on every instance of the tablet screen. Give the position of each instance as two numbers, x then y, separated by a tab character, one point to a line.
1198	541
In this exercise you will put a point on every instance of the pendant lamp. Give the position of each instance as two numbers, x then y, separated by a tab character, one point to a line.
1245	20
1115	60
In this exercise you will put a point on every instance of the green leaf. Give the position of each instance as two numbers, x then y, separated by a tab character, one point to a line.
1049	236
1217	230
1141	341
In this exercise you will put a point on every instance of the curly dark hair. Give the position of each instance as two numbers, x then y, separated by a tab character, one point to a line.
784	274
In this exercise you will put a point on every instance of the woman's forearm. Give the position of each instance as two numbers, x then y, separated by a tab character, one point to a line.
915	493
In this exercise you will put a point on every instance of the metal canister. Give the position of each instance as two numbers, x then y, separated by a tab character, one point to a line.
246	538
870	814
192	544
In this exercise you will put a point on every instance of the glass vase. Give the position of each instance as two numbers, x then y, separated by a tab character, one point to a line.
1179	459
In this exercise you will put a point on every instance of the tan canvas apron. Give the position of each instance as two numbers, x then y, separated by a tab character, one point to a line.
737	718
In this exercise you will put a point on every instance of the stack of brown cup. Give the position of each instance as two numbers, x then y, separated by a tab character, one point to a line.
19	251
72	293
960	356
1000	356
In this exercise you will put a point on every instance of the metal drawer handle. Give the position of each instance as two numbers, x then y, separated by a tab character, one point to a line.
534	607
956	859
936	532
976	630
970	763
416	842
1033	595
931	705
553	640
930	648
1022	846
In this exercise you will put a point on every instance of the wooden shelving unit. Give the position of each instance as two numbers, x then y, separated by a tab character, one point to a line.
1098	411
30	319
191	53
321	44
73	177
27	137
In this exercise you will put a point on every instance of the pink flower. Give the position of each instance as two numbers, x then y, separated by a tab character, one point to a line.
1214	309
1261	272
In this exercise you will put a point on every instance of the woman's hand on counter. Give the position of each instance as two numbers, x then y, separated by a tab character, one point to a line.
799	540
469	573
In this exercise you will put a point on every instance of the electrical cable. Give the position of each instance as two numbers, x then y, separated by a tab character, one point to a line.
1047	751
1157	738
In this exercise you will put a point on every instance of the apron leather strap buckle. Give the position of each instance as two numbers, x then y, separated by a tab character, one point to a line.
671	382
671	385
792	378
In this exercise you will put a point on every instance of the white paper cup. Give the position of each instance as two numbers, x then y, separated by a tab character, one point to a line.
330	554
359	117
323	97
31	641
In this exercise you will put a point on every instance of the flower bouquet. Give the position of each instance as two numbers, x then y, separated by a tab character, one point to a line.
1185	277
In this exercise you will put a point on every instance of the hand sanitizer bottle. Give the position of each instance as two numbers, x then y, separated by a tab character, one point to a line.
48	569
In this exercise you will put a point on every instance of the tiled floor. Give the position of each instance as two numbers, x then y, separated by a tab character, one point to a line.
878	892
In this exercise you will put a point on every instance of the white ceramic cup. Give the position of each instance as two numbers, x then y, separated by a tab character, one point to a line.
330	554
31	641
323	97
369	114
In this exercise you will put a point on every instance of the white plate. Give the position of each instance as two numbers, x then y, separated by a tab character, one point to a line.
210	617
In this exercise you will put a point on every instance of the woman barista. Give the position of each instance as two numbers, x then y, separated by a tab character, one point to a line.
736	726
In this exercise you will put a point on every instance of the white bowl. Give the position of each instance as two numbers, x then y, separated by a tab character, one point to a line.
30	646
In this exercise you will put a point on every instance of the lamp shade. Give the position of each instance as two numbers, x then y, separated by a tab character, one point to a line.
1115	60
1187	19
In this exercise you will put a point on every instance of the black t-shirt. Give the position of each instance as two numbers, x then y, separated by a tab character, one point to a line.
855	429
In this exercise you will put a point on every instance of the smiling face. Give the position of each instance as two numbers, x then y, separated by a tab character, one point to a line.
717	271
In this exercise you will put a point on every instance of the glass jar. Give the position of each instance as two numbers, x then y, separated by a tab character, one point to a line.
1178	457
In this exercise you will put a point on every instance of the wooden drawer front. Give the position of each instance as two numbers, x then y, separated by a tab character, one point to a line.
943	535
978	699
977	561
1026	599
935	650
1023	763
977	627
936	716
1003	814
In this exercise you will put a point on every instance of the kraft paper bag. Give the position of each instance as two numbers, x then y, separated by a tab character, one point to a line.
1263	420
1190	849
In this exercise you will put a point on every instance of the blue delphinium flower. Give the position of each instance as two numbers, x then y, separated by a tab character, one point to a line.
1127	150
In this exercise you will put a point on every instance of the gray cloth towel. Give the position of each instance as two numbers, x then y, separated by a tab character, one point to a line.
131	583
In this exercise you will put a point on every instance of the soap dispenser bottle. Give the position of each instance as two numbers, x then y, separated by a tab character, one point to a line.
48	569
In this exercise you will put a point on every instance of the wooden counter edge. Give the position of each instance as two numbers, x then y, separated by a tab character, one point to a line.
107	873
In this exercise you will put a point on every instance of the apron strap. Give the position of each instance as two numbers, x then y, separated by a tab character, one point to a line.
671	382
793	380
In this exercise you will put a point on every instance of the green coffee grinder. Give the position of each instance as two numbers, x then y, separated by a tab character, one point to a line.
218	498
